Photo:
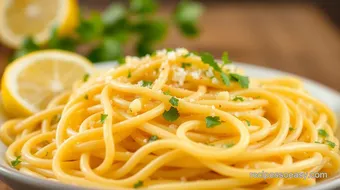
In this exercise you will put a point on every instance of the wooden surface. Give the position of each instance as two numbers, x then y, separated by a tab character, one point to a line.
297	38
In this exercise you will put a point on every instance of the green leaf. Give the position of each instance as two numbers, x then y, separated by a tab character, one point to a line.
153	138
228	145
151	30
27	46
225	58
238	98
144	47
138	184
109	50
322	133
330	143
211	121
167	92
16	162
225	79
207	58
86	77
146	83
129	74
90	29
173	101
317	142
185	65
143	6
186	16
171	115
248	122
242	80
102	118
291	129
114	14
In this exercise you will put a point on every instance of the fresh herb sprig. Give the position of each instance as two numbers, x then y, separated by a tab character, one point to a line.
105	34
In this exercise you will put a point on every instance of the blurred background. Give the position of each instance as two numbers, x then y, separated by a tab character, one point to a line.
301	37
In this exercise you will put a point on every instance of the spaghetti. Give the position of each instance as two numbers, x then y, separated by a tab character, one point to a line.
176	120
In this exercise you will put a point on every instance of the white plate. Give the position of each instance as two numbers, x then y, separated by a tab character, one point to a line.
323	93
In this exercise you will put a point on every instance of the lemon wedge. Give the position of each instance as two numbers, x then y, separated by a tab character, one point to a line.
31	81
36	18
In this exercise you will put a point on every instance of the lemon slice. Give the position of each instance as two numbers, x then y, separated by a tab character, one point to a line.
21	18
31	81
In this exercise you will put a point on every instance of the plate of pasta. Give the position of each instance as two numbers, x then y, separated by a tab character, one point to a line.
178	120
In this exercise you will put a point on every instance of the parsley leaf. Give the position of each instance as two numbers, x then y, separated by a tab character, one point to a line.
27	46
16	162
207	58
171	115
211	121
291	129
186	16
322	133
86	77
173	101
86	97
109	49
167	92
317	142
114	14
225	79
102	118
228	145
56	42
248	122
138	184
143	6
153	138
185	65
186	55
242	80
225	58
146	83
330	143
238	98
129	74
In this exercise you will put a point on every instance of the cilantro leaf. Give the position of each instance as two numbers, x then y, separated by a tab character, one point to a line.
322	133
186	16
102	118
330	143
153	138
16	162
173	101
225	58
146	83
211	121
185	65
242	80
225	79
238	98
207	58
86	77
171	115
138	184
143	6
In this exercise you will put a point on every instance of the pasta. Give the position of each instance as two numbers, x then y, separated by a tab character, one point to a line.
177	120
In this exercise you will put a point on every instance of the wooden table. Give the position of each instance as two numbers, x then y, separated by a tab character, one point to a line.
298	38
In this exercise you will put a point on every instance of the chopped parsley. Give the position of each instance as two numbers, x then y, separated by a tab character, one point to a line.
16	162
153	138
185	65
86	97
86	77
187	55
225	79
322	133
248	122
102	118
291	129
207	58
238	98
317	142
173	101
330	143
146	83
225	58
228	145
211	121
167	92
171	115
129	74
242	80
138	184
